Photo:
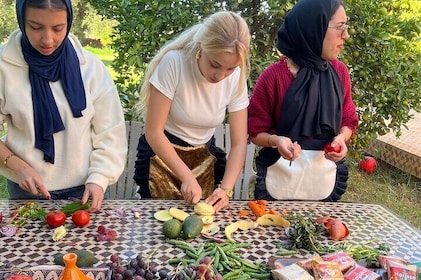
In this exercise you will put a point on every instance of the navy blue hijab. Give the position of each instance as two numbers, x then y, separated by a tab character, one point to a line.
62	65
313	103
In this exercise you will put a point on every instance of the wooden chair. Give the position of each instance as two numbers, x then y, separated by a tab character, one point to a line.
125	188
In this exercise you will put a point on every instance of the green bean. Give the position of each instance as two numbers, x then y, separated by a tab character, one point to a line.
201	248
286	252
223	255
226	266
216	259
239	277
260	275
191	254
232	273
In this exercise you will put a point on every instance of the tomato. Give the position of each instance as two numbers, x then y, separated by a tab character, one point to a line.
19	277
55	218
329	148
81	218
368	165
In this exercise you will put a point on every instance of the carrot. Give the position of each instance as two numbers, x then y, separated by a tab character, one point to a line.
272	211
243	213
258	207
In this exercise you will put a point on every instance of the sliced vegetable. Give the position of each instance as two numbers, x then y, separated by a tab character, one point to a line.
229	230
178	214
59	233
207	219
211	229
32	211
258	207
8	230
246	225
72	207
163	215
204	209
273	220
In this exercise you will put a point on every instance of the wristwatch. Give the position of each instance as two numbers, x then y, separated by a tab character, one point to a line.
229	192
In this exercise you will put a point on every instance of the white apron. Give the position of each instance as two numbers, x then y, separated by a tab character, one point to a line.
310	177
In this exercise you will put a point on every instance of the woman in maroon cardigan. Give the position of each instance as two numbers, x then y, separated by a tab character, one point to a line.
302	102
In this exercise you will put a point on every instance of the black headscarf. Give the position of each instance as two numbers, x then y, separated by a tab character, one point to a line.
313	103
62	65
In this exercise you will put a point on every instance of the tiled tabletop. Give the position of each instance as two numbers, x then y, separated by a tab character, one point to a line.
34	245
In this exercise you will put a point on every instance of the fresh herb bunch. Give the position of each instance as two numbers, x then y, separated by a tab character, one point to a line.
362	253
32	211
305	233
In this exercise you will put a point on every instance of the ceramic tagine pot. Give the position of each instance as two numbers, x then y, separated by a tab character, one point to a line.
71	271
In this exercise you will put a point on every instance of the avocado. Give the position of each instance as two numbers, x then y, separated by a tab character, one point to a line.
192	226
84	258
172	228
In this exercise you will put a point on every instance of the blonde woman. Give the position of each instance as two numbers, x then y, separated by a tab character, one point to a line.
188	87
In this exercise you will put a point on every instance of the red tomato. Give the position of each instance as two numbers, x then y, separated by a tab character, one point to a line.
81	218
368	165
329	148
55	218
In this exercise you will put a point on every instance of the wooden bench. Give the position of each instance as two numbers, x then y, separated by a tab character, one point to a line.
125	188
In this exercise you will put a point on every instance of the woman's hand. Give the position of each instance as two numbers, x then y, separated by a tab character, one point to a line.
287	149
339	140
218	199
96	193
191	191
32	182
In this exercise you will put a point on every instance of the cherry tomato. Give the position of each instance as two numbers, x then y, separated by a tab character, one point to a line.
55	218
81	218
329	148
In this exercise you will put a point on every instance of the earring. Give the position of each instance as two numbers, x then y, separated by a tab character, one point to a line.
198	54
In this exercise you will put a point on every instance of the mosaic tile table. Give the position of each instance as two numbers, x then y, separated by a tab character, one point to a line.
34	245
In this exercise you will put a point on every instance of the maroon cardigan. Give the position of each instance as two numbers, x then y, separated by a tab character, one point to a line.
269	91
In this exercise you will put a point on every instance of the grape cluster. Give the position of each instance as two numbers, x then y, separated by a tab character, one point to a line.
105	234
203	270
136	269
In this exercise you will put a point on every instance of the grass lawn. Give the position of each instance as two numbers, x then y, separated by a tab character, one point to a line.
107	57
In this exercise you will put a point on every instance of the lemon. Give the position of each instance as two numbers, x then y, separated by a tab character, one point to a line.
172	228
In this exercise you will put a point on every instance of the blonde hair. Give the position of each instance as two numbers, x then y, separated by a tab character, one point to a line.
222	32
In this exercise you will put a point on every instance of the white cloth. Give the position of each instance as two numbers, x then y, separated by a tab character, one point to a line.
198	106
310	177
91	149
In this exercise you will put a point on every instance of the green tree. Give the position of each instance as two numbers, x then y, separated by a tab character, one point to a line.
8	21
385	64
381	53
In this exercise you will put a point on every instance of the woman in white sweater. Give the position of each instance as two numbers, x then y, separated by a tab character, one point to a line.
65	124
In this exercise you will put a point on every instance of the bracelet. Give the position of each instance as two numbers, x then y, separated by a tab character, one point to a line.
7	158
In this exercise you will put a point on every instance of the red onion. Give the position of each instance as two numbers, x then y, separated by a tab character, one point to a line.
8	230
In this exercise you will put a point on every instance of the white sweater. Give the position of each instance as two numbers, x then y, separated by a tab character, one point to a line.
91	149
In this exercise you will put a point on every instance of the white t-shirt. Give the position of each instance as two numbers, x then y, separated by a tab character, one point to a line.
198	106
